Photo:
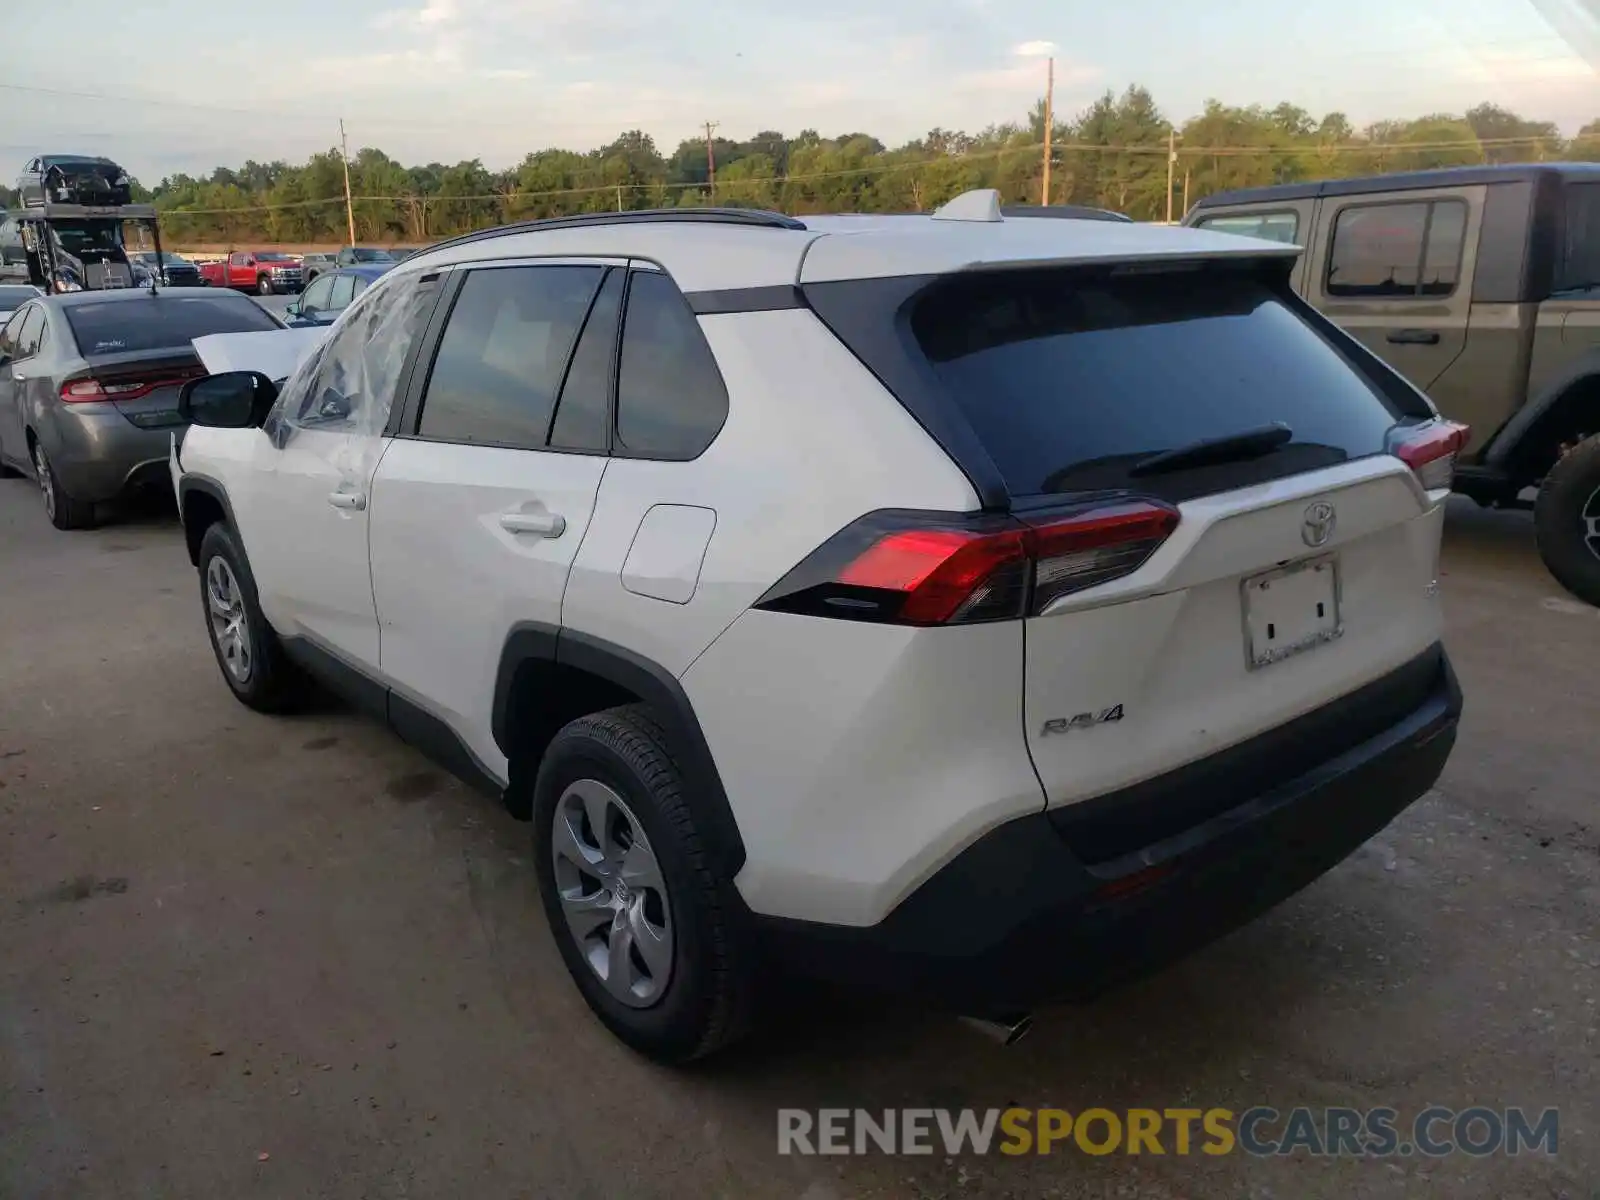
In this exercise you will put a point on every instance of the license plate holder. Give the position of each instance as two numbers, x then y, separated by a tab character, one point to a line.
1290	610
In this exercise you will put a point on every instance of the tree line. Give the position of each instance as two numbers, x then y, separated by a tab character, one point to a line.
1113	154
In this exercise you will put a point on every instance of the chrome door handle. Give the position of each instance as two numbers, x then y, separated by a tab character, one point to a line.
545	524
354	501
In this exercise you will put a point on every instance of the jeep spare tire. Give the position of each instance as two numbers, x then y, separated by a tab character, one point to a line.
1566	520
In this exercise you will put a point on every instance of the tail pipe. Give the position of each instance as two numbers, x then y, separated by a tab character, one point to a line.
1008	1031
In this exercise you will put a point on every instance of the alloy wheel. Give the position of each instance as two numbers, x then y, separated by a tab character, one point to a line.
229	625
1591	522
41	472
612	893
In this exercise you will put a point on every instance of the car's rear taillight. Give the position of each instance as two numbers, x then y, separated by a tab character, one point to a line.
1430	451
87	391
911	568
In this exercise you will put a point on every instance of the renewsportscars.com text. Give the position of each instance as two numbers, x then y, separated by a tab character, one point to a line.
1432	1132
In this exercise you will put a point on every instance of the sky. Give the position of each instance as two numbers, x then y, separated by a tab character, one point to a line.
191	84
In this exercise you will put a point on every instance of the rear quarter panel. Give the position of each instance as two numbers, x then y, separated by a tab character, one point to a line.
812	441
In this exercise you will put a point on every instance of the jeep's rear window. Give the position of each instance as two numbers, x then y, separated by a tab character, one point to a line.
160	322
1070	377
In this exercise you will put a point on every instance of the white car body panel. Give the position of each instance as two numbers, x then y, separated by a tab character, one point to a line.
812	442
860	757
1167	643
444	508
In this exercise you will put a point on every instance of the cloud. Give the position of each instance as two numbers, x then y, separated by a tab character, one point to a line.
1034	49
1023	79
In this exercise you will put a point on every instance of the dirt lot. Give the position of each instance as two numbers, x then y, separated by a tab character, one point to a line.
251	958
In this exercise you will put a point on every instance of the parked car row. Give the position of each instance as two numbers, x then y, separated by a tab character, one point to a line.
89	385
975	606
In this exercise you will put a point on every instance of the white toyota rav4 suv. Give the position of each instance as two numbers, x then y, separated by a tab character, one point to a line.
985	608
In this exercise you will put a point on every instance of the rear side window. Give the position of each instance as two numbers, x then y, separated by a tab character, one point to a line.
671	401
32	335
1070	378
160	322
1274	226
1397	250
503	353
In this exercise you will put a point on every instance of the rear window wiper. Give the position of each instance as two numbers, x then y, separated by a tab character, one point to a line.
1233	447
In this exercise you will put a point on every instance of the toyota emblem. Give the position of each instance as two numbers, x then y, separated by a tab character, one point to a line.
1318	525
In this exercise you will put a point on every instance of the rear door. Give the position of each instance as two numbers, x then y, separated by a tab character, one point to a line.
1293	577
479	507
1396	272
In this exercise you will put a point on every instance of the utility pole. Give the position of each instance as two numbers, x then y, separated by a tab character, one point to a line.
349	208
619	197
1049	120
711	159
1172	164
1186	191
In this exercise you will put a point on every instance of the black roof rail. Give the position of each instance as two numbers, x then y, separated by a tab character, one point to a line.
1073	212
758	217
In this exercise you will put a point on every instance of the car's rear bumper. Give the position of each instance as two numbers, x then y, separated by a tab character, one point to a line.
99	455
1018	919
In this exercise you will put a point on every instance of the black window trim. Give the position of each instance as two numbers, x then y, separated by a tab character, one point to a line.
611	375
410	424
405	420
1430	203
1207	219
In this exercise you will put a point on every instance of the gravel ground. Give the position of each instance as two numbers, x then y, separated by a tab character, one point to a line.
243	957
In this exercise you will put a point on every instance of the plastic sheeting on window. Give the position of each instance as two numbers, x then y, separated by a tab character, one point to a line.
349	386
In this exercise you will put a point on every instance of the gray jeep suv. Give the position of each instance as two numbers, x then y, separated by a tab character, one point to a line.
1482	286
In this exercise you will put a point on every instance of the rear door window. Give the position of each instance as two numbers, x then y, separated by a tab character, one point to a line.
160	322
1397	251
584	414
1070	378
503	354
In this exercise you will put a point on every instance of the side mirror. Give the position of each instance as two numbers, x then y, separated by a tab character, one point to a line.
231	400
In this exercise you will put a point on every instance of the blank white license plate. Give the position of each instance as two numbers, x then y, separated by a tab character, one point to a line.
1291	610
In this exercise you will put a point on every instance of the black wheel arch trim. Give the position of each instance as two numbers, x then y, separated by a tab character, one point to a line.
189	483
1504	448
656	687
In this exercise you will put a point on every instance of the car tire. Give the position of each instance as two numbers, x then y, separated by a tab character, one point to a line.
263	678
264	286
1566	520
64	511
691	995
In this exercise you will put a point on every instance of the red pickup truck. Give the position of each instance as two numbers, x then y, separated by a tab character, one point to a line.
266	272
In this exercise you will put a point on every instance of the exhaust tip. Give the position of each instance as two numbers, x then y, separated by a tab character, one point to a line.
1007	1031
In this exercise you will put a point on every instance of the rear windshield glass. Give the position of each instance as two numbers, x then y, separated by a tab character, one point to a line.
159	322
1070	378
